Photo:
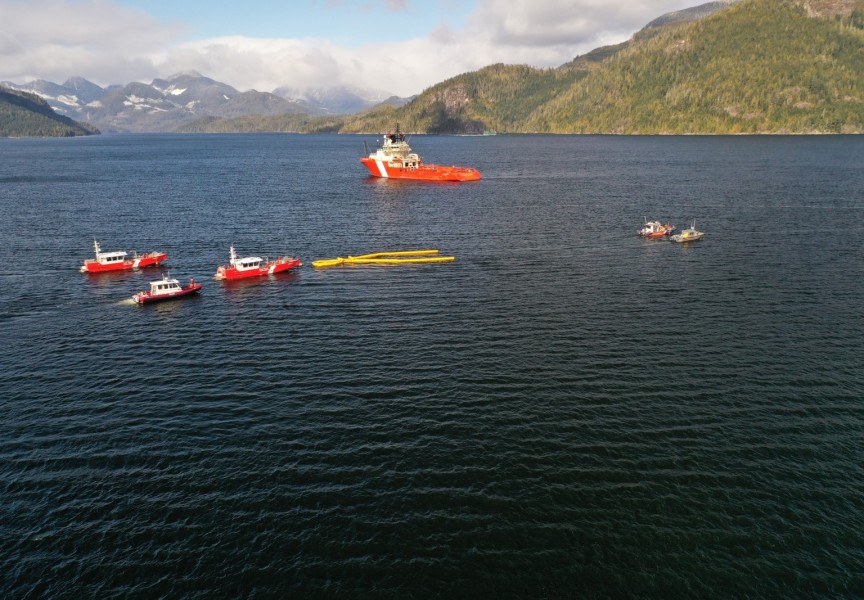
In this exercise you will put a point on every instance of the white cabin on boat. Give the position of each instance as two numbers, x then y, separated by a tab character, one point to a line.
247	263
108	258
164	286
396	151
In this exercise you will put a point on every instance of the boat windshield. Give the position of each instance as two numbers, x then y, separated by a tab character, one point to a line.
111	257
164	286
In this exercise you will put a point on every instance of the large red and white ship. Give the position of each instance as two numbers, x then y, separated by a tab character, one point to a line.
254	266
394	159
118	261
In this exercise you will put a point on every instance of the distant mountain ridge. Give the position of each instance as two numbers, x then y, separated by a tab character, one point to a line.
727	66
27	115
162	105
690	14
180	101
338	100
167	104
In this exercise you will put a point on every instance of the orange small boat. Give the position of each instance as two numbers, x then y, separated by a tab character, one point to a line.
394	159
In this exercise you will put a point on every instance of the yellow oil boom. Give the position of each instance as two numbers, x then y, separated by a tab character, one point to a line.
400	257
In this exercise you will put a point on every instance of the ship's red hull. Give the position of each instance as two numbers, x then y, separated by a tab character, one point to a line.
381	168
148	260
285	263
148	298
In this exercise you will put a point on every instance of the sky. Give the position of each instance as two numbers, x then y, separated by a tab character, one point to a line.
391	46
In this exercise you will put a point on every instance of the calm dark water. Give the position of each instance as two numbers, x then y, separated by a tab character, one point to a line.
565	411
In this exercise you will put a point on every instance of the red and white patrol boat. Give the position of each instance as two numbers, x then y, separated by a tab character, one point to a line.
656	229
394	159
166	289
254	266
117	261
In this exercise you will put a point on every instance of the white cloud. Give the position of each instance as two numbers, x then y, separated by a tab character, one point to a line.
108	43
56	39
262	64
396	5
566	26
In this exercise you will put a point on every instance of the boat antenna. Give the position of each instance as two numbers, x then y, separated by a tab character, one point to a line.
366	147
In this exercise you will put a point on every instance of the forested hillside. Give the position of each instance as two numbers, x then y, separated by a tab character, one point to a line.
759	66
756	66
27	115
500	97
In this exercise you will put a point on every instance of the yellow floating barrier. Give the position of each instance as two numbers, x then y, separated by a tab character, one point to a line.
356	260
386	258
330	262
398	253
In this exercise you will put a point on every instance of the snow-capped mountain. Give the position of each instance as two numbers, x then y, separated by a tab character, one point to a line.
65	99
165	104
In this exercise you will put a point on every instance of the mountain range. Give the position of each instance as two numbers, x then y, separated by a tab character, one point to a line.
728	66
166	104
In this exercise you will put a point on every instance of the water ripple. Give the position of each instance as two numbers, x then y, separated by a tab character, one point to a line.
566	410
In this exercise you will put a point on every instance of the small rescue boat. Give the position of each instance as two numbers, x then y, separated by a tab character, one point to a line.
688	235
255	266
166	289
656	229
394	159
117	261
